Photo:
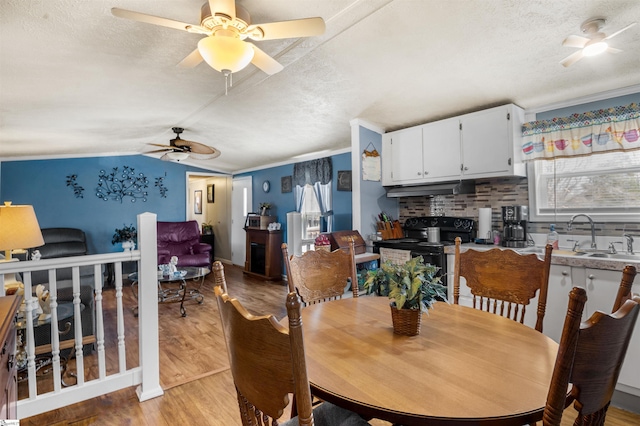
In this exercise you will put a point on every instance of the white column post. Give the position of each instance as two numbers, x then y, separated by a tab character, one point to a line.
148	308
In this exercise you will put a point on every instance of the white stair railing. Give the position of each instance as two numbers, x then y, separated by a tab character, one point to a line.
146	376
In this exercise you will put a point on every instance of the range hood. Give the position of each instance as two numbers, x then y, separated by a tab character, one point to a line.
445	188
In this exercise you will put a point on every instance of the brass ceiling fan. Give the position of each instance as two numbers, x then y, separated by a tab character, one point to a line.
226	26
593	43
180	149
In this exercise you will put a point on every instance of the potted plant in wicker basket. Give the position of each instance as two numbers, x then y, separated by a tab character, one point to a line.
413	288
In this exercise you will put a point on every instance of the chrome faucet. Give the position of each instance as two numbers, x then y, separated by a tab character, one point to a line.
629	238
593	228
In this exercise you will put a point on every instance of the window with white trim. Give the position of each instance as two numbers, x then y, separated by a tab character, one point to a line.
606	186
310	215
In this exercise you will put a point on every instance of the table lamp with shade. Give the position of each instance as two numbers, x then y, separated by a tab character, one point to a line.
19	229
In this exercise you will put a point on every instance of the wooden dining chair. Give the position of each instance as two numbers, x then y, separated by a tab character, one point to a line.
320	275
590	356
503	281
624	291
268	364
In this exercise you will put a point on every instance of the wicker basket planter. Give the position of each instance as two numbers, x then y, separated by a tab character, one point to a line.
325	248
406	322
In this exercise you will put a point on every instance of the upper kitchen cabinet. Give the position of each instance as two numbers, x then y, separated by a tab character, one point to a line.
426	153
441	150
491	144
482	144
402	156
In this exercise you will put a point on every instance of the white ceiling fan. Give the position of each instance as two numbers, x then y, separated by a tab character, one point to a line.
180	149
226	26
594	43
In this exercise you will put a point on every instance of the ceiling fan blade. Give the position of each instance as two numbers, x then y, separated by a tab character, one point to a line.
155	151
191	60
287	29
225	7
619	31
164	146
571	59
150	19
613	50
197	156
575	41
194	147
265	62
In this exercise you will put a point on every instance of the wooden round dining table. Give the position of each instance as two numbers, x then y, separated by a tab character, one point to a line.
465	367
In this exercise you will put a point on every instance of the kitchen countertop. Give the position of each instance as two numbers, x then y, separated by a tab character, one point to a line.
559	257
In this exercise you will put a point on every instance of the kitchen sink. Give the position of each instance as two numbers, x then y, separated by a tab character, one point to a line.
560	252
616	256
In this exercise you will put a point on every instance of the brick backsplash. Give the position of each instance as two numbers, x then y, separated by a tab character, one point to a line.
495	193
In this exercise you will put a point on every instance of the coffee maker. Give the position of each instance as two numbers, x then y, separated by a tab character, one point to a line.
514	232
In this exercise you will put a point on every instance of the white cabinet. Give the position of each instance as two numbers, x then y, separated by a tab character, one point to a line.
441	150
560	284
403	152
477	145
491	142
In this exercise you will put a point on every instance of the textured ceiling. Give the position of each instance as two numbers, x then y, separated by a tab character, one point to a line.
77	81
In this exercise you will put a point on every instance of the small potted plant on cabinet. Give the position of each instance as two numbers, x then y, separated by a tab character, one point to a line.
127	236
413	288
207	228
264	209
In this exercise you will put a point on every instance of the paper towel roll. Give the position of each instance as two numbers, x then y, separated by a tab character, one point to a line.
484	223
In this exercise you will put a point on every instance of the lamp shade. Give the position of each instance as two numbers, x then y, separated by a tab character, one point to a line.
177	156
225	53
19	228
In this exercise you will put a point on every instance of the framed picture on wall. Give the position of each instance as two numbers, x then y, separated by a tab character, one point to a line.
210	193
197	202
286	183
344	180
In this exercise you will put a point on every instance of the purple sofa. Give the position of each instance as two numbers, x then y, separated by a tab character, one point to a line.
182	239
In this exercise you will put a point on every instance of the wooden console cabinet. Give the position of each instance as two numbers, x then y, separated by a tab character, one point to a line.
8	369
264	254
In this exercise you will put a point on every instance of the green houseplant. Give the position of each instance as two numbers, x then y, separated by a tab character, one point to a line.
126	235
413	287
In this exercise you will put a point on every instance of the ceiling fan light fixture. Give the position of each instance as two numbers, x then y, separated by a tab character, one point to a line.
225	53
177	155
595	48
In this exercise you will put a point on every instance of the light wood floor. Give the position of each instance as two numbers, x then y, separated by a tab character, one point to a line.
194	367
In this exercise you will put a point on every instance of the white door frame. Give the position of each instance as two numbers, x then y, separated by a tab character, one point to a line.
241	204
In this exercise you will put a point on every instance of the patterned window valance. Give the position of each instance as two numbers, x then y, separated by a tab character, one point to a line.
611	129
310	172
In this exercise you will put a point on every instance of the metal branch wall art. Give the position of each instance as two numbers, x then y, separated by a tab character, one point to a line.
120	184
77	189
163	189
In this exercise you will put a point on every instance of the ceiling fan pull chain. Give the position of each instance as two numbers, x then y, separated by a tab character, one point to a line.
226	83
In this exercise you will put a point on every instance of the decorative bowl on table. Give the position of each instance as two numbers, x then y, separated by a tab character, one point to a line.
180	274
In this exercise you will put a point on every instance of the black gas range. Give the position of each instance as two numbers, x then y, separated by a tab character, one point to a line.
416	241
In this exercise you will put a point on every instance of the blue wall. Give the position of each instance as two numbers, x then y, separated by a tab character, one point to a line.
373	196
42	183
284	203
